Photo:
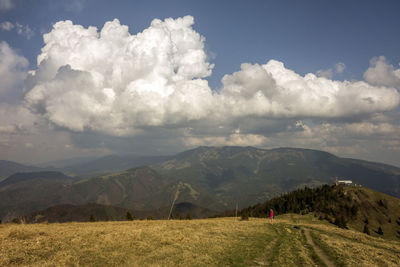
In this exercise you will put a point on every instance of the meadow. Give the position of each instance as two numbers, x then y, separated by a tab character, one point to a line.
206	242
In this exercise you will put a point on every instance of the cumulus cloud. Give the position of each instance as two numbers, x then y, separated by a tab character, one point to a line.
382	73
113	82
12	72
274	91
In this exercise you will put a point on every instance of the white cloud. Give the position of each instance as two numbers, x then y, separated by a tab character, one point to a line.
23	30
6	26
271	90
325	73
120	84
328	73
382	73
114	82
6	5
12	71
340	67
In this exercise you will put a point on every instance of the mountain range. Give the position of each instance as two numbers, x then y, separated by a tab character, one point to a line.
213	178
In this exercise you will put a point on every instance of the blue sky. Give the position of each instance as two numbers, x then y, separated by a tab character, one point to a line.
351	48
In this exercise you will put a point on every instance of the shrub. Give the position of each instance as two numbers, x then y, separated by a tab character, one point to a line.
244	216
379	232
366	230
129	216
354	210
340	222
92	219
188	216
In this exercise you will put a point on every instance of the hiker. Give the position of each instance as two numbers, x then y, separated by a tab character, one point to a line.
271	215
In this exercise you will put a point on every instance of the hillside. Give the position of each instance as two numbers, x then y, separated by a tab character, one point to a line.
84	213
215	178
23	193
77	213
292	240
247	175
8	168
347	206
111	163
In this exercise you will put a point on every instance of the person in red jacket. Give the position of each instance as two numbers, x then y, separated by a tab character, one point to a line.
271	215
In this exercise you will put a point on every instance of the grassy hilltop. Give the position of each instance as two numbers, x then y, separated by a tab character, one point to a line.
292	240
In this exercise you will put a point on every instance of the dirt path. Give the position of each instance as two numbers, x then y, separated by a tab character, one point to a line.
320	253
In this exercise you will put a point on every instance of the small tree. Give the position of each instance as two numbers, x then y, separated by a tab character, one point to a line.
366	230
129	216
244	216
92	219
379	232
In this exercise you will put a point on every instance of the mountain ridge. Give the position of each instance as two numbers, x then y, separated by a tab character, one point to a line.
216	178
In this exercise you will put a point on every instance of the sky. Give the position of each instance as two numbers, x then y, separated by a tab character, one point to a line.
89	78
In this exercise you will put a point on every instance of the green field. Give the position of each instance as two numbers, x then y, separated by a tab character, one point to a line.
207	242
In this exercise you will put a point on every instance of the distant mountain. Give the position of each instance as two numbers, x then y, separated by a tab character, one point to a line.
8	168
111	163
216	178
347	206
139	188
50	176
222	176
23	193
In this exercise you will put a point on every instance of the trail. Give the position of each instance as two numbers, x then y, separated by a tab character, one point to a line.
320	253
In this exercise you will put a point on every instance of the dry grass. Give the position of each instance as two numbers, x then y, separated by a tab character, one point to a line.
211	242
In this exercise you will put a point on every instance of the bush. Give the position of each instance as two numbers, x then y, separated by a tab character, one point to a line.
244	216
379	232
340	222
92	219
188	216
129	216
366	230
